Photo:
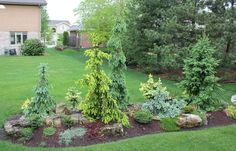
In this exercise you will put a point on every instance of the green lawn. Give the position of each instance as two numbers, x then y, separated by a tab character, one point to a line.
18	75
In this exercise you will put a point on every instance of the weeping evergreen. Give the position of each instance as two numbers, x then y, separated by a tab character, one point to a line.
42	103
117	63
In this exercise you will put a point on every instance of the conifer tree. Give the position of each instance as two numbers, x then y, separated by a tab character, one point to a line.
199	71
98	101
42	103
117	63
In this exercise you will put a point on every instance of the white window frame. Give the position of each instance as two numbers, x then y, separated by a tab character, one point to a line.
21	35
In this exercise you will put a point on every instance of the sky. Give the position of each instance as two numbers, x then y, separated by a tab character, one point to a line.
62	9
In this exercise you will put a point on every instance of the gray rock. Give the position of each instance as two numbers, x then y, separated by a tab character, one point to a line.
189	121
62	109
76	117
113	130
53	120
132	108
14	126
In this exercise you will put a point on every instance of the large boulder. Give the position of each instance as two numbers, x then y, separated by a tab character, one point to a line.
113	130
189	121
62	108
14	126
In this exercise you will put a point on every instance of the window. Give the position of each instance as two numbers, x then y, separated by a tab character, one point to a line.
18	37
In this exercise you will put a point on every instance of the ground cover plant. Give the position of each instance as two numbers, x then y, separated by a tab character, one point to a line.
73	57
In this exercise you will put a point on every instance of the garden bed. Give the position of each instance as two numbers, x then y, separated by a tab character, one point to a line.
94	135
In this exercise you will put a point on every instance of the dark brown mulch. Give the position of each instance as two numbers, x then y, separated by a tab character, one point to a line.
93	135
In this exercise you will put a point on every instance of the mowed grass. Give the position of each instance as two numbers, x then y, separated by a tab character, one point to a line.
18	76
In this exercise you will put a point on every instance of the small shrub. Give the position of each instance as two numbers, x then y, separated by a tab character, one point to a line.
201	114
67	136
169	124
143	116
49	131
159	101
73	96
68	121
231	111
35	120
26	134
189	109
33	47
148	88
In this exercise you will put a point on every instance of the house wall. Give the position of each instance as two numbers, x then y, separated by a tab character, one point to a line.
18	18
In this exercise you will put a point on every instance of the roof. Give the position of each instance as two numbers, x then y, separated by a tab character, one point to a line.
53	23
75	28
24	2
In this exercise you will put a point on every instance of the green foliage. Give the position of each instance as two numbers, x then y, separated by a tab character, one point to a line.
221	28
201	114
42	103
68	121
49	131
98	101
117	63
67	136
159	102
231	111
97	17
189	109
45	30
169	124
35	120
160	32
73	96
33	47
199	72
148	89
143	116
26	133
65	38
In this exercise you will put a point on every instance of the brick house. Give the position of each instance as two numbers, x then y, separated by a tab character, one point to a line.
20	20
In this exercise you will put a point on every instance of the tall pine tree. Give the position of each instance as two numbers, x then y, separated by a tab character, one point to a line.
221	27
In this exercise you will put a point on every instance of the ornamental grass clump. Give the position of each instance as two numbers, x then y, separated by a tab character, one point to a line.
99	103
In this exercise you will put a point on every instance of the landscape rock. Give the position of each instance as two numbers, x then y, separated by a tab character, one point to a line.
14	126
113	130
189	121
62	108
132	108
54	120
76	117
233	99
